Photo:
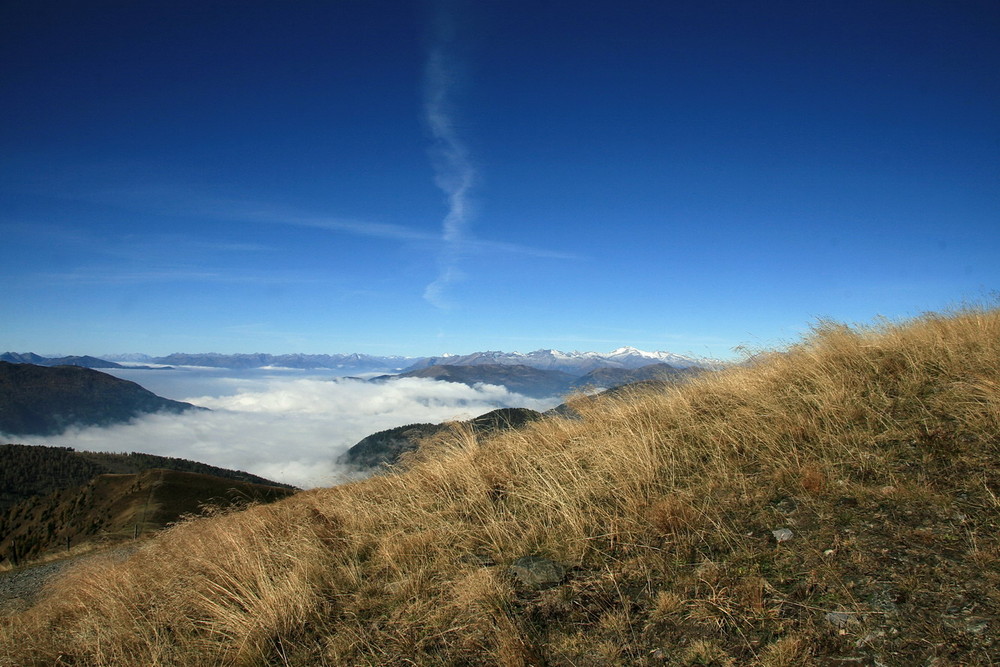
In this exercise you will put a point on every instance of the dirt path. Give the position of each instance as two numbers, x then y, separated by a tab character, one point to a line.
20	588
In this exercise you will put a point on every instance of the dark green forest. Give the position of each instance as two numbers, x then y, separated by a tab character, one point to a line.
51	496
37	470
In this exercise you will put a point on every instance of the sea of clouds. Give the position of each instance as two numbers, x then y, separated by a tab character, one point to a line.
287	426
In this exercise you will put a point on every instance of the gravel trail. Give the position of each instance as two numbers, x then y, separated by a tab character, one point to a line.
20	588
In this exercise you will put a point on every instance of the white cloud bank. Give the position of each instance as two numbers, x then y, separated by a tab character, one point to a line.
291	429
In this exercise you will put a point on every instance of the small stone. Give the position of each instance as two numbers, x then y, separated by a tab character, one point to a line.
782	535
537	572
870	637
840	619
976	626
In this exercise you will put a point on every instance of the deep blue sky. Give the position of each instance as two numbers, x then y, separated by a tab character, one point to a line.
418	177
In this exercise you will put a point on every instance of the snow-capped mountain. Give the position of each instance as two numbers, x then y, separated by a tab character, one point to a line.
576	363
634	358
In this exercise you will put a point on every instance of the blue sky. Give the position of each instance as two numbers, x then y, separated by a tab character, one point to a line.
418	178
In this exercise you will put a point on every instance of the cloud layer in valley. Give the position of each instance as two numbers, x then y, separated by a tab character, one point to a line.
290	429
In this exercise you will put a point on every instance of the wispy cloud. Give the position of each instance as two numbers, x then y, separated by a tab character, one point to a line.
355	227
117	276
136	244
453	169
458	241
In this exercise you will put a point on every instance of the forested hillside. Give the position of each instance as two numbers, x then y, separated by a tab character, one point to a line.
54	496
116	507
34	470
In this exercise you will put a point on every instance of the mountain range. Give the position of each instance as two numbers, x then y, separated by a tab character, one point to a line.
574	363
353	363
38	360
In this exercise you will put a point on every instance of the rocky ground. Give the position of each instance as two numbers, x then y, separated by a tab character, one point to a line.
21	587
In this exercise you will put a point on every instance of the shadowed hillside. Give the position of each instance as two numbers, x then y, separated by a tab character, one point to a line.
36	470
51	497
31	358
836	503
389	446
118	506
606	378
40	400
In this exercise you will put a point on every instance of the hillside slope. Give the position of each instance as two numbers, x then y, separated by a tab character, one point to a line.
606	378
389	446
37	470
112	507
42	400
836	503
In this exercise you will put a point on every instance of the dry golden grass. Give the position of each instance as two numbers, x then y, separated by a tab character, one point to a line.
877	447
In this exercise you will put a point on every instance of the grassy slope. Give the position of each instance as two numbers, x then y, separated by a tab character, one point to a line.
877	448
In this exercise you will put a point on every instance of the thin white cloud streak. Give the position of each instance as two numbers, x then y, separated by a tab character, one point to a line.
454	173
459	243
291	430
179	201
113	276
356	227
129	246
475	246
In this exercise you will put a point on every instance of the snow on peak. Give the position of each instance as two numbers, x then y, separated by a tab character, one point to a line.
629	351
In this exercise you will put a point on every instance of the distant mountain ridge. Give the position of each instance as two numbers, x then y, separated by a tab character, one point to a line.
354	362
38	360
574	363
